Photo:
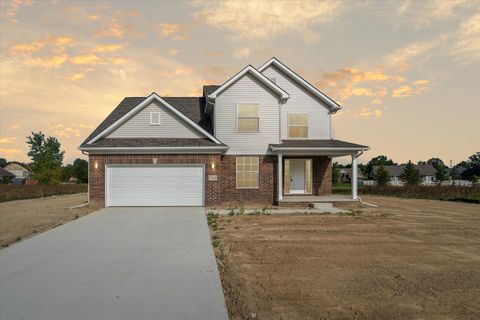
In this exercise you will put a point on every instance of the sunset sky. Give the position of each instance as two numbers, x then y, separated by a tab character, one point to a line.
406	73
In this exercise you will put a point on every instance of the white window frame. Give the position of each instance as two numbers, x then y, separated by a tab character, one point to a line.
288	125
258	116
258	173
151	118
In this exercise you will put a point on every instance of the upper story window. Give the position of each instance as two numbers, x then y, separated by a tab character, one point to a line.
247	117
154	118
298	125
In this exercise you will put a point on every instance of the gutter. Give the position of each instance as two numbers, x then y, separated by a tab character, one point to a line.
211	149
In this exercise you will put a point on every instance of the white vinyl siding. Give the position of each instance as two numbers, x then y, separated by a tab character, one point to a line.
301	101
171	126
247	90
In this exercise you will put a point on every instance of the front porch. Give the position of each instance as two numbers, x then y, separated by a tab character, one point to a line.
305	170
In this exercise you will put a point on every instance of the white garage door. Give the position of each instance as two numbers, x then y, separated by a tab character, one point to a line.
167	185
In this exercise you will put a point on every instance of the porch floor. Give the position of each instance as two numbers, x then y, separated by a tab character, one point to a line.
318	199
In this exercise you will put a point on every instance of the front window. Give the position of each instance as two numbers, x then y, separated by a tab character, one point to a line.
247	117
298	125
247	172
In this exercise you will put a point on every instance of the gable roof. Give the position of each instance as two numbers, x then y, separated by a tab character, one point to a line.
6	173
188	108
397	170
254	72
334	107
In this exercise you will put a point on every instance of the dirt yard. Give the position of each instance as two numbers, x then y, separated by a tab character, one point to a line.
23	218
406	259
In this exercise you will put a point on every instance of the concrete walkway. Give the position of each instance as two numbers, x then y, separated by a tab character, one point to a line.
118	263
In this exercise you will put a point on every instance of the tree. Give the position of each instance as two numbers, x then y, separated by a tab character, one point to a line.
3	162
377	161
441	173
410	175
80	170
335	172
46	158
381	176
472	166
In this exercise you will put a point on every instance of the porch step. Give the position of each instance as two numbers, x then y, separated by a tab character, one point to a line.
323	205
327	207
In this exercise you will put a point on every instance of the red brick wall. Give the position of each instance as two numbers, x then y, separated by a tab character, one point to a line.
221	192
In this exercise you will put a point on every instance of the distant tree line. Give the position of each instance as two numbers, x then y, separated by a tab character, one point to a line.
466	170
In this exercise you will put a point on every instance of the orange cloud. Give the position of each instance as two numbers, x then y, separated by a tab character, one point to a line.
108	48
173	52
367	113
47	62
89	58
8	140
174	31
60	41
26	47
9	152
14	126
114	29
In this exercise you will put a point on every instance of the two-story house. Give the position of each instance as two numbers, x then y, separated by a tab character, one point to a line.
261	136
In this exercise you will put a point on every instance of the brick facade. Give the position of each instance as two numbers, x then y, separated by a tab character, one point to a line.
220	192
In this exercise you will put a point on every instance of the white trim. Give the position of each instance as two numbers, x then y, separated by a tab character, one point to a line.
288	125
152	97
258	116
249	69
180	150
329	101
280	177
151	117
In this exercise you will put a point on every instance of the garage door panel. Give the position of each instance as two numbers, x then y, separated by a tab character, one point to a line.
166	185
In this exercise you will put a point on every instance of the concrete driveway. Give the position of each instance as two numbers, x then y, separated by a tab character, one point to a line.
117	263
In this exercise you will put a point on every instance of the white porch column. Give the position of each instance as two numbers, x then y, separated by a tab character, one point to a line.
354	176
280	179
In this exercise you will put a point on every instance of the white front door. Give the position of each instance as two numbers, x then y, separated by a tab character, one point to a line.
297	176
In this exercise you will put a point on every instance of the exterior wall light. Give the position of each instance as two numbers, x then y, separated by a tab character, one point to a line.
213	165
96	164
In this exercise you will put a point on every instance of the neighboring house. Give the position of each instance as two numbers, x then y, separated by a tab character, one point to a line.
20	171
6	176
261	136
427	174
346	175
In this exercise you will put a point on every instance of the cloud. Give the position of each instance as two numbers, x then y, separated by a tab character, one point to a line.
261	20
8	140
47	62
467	46
417	87
12	7
423	14
241	53
88	58
9	152
367	113
114	29
174	31
402	58
60	41
214	53
26	47
108	47
173	52
14	126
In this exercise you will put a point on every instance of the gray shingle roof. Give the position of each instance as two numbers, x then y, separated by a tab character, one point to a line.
6	173
192	107
152	142
327	143
207	90
396	171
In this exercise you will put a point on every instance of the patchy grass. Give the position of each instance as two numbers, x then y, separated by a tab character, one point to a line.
10	192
